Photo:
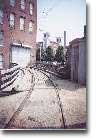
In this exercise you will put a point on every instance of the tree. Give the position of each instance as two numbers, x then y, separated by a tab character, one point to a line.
40	56
59	56
43	54
68	55
49	54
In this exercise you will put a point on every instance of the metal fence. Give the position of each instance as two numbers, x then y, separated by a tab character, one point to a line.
7	77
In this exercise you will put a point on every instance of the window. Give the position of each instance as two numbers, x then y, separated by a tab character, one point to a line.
31	9
1	38
12	2
1	16
22	23
1	61
22	4
12	20
30	26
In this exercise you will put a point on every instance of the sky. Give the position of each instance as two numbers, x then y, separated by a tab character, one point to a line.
57	16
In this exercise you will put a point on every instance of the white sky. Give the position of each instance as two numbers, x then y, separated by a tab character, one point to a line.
68	15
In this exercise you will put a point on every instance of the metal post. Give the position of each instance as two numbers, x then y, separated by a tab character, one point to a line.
0	79
40	53
64	39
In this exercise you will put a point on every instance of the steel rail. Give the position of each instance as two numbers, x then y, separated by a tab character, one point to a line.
58	96
21	106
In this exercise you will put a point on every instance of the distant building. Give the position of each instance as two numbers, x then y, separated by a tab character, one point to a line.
18	24
46	40
78	59
58	40
54	46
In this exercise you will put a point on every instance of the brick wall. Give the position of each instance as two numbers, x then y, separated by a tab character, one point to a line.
18	36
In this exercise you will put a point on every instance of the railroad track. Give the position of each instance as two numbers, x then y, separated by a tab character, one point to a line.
36	77
57	95
20	108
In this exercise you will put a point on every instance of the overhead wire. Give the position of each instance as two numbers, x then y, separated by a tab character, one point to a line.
46	12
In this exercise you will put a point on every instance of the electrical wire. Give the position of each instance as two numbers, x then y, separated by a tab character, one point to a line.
46	12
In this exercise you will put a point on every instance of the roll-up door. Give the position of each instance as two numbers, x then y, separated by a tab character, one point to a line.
20	55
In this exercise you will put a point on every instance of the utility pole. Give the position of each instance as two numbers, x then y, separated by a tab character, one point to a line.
41	47
10	43
64	39
40	53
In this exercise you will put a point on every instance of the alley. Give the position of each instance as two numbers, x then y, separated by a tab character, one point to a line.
50	103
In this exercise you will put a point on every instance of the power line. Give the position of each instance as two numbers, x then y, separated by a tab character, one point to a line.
47	11
45	14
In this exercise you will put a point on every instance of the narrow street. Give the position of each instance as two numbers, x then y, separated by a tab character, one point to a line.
48	104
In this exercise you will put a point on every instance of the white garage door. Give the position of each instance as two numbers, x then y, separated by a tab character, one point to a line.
21	56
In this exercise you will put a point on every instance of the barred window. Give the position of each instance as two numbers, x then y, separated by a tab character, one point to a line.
22	2
30	26
1	38
1	16
22	23
31	9
12	2
12	20
1	61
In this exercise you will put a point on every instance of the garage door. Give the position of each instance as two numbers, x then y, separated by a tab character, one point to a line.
20	56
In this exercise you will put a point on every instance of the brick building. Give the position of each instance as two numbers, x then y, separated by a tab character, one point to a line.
18	25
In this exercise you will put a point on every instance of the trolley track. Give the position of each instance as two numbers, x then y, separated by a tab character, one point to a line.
20	108
58	97
36	78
